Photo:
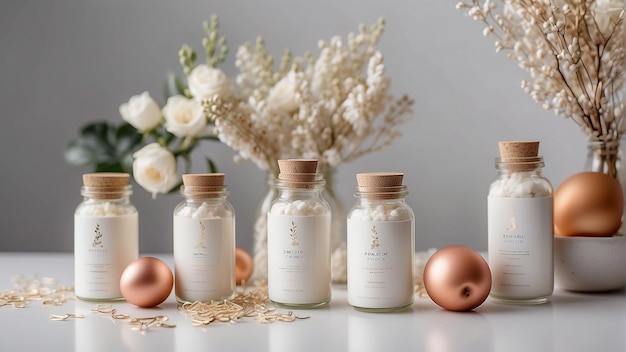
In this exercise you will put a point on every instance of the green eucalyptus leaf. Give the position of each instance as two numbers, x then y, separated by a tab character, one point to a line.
173	86
109	167
211	165
80	154
105	146
127	163
127	139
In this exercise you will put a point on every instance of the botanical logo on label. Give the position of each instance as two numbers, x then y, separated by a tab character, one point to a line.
375	240
201	239
512	223
97	240
293	233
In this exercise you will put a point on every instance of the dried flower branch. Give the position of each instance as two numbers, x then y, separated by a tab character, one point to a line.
573	50
334	108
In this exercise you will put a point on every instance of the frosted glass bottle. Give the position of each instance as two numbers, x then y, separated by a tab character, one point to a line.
520	227
299	238
106	236
381	242
204	240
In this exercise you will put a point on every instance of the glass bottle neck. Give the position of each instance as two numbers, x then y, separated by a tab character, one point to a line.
530	166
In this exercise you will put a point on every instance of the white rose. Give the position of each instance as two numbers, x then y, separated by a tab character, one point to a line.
141	111
606	14
154	169
283	96
205	82
184	117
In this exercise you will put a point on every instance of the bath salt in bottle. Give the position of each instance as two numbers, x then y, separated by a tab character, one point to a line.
204	240
299	235
106	236
381	242
520	226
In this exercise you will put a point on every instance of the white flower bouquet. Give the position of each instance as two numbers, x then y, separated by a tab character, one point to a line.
335	107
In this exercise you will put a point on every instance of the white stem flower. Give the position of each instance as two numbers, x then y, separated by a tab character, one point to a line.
205	82
142	112
154	169
184	117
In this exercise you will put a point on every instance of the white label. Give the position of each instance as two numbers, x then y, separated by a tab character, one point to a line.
520	243
298	250
380	263
204	258
103	247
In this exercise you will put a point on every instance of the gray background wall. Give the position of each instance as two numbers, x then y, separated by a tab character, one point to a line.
64	63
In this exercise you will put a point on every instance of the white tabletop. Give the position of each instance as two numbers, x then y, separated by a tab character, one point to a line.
570	322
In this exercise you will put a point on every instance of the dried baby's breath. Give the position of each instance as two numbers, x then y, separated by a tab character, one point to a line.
253	303
573	50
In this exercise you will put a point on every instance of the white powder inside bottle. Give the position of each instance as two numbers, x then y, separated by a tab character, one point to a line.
204	211
104	209
310	207
382	212
520	185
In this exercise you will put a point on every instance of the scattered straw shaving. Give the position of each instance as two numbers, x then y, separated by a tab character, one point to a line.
28	289
139	324
253	303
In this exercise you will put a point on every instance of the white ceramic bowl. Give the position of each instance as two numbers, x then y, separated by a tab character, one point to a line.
590	264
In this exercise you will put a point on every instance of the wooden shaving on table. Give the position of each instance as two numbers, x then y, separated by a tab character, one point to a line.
28	289
252	303
139	324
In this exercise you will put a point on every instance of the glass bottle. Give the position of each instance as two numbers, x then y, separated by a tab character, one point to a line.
520	226
106	236
204	240
381	242
607	157
299	236
260	229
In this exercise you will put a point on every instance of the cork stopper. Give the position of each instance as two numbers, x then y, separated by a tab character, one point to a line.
106	185
520	155
297	170
381	185
203	183
513	150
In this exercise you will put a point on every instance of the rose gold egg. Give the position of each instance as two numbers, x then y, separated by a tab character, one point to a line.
146	282
588	204
243	266
457	278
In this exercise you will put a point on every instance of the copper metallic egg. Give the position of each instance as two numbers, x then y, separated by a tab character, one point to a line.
457	278
588	204
146	282
243	266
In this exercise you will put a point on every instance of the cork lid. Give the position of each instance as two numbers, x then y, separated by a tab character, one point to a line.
203	183
512	150
522	155
106	179
106	185
382	185
297	170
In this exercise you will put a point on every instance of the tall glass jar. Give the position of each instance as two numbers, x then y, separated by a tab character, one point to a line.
520	226
381	242
260	230
299	238
106	236
607	157
204	240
